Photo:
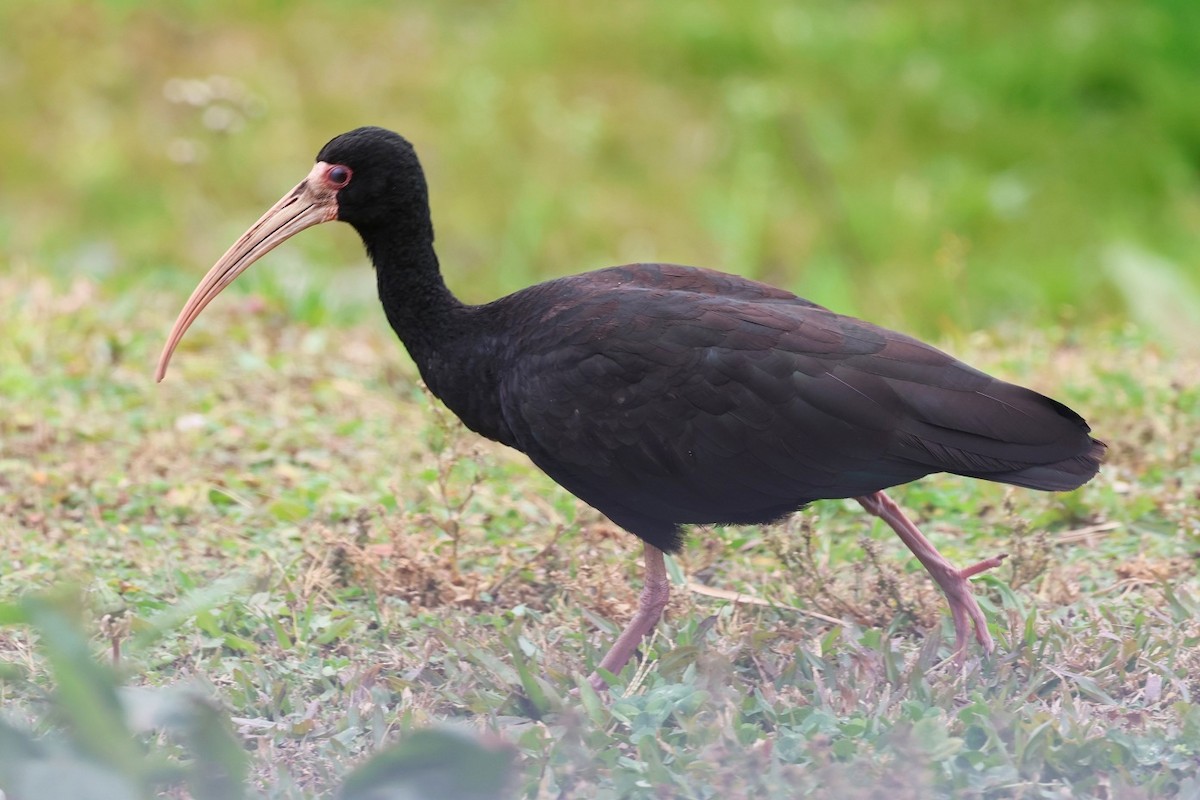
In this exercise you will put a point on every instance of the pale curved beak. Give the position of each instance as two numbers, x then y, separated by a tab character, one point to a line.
310	203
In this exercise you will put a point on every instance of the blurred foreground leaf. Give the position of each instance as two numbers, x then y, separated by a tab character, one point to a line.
86	691
104	751
65	777
433	765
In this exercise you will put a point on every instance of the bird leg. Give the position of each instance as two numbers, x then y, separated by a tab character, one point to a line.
953	582
656	591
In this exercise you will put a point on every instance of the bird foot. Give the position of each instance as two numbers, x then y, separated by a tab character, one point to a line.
983	566
598	684
954	583
964	608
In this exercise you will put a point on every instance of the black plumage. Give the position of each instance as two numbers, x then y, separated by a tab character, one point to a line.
664	395
661	400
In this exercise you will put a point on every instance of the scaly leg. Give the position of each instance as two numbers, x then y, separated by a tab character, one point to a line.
953	582
654	597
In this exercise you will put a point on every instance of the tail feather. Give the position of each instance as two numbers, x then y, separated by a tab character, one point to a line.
1061	476
1003	433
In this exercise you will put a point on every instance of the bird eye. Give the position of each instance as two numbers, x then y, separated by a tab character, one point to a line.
338	175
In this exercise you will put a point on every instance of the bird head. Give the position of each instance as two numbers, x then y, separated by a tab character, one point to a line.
379	180
369	178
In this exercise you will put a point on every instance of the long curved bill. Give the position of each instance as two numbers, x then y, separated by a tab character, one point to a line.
310	203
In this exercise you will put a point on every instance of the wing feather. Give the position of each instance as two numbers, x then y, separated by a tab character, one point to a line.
675	395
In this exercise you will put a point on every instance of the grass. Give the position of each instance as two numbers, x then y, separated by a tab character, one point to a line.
318	548
928	164
287	567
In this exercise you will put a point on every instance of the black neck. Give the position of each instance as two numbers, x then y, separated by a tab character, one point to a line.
421	310
445	338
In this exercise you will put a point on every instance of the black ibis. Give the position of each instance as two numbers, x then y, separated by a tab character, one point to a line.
666	395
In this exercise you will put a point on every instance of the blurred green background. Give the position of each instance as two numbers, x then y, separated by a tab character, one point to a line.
933	165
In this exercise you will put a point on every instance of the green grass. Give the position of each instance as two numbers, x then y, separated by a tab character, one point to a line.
929	164
292	529
295	555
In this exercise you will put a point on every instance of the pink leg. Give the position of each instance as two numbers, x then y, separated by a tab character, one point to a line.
963	606
650	606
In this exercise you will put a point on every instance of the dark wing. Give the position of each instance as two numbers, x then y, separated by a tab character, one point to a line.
661	406
692	280
957	419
